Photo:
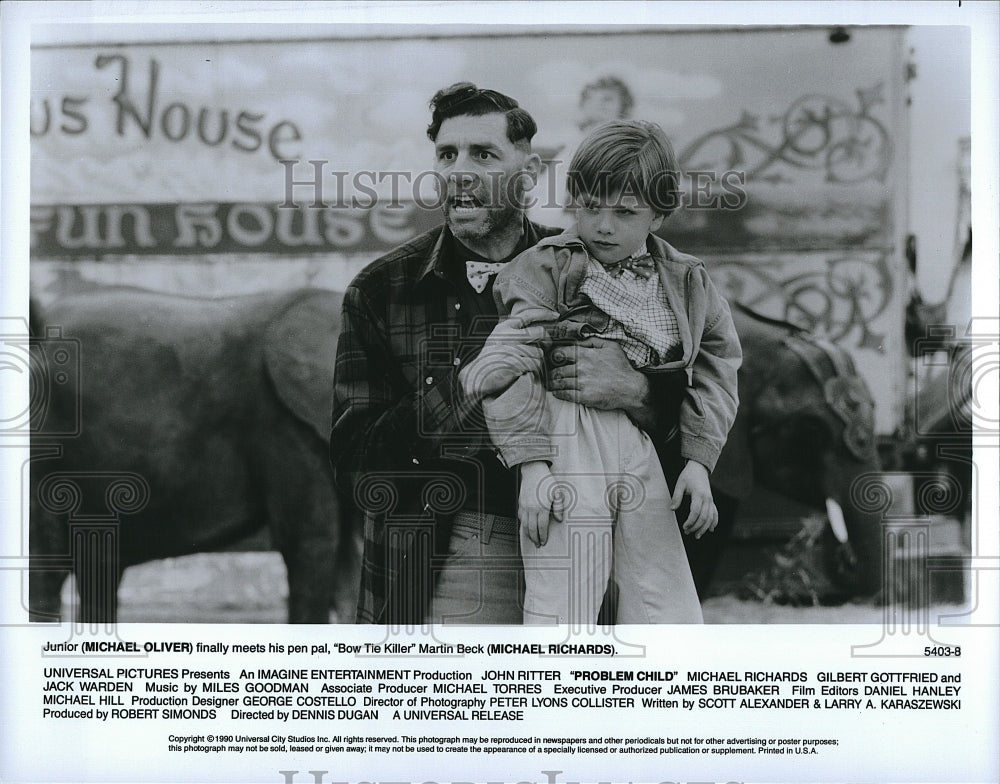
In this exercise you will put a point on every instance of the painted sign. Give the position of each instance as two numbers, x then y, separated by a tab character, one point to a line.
100	230
314	152
800	127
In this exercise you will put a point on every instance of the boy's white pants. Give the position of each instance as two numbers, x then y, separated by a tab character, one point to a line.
617	510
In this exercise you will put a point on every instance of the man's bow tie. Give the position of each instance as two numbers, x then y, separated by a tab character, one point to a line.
641	266
480	272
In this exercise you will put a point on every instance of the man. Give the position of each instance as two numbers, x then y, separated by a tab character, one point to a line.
439	507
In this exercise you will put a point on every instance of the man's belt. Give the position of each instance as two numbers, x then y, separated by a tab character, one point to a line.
488	524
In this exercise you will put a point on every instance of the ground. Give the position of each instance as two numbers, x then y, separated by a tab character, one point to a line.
251	588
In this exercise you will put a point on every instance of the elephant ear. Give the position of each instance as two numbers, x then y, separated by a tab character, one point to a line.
300	346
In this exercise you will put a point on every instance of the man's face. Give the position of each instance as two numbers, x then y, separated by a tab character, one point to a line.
485	175
615	227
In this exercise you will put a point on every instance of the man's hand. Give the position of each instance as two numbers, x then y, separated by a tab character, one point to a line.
596	373
538	504
509	352
693	481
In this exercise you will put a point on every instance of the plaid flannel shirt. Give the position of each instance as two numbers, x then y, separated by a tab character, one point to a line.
401	422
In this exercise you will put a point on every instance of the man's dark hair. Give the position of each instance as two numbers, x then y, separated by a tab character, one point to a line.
464	98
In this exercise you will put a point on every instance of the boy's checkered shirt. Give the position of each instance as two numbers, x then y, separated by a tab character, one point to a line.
641	320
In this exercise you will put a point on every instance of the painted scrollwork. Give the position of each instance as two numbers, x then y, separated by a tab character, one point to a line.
817	132
846	296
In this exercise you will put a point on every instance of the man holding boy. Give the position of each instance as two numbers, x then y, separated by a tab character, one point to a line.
441	535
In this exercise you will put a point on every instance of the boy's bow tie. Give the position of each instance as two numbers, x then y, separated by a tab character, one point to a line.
641	266
480	272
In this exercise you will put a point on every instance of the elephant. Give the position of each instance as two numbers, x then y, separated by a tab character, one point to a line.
804	430
208	419
191	424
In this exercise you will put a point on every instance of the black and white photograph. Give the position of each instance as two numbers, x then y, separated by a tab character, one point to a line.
397	394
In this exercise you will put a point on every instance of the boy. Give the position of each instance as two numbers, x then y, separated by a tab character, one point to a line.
592	490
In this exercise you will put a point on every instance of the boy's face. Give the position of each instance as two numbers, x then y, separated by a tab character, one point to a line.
615	227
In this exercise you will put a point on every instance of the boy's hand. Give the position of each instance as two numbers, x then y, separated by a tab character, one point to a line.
510	351
693	481
537	504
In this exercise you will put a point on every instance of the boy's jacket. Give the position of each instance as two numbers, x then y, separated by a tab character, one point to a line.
542	286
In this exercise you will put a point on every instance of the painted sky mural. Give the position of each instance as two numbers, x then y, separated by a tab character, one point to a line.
314	152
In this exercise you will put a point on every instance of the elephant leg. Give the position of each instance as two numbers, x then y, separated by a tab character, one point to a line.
48	566
97	587
303	511
307	542
867	546
347	579
44	593
98	569
310	564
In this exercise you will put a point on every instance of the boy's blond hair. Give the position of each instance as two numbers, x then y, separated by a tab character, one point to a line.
626	157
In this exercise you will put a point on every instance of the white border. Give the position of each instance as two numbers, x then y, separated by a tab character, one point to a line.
112	21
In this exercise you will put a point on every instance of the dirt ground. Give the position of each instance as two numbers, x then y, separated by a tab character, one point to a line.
251	588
